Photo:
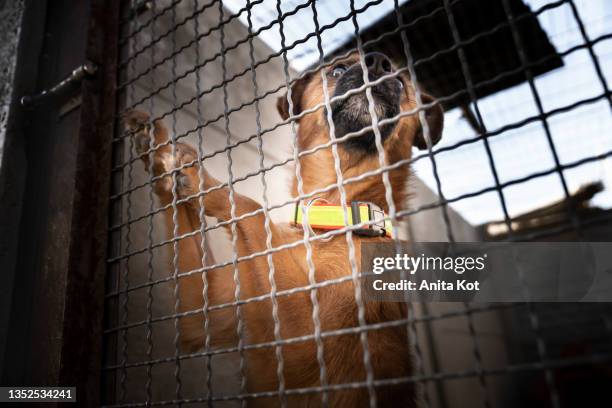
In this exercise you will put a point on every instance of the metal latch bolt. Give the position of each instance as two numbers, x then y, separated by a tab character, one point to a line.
88	69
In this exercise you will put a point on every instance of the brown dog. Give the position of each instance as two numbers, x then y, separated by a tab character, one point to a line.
343	354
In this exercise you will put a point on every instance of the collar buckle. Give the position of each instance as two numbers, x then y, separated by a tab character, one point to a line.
375	213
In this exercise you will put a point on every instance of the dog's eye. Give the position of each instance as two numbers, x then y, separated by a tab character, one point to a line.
338	71
401	84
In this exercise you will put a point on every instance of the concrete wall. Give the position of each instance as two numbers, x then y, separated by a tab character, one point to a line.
446	343
426	226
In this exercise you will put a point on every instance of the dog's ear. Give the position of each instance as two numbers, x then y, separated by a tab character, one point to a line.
435	121
297	90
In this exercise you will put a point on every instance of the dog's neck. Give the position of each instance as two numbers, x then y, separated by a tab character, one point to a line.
318	173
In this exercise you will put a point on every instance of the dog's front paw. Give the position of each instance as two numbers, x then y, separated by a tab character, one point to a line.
186	158
138	126
180	164
171	160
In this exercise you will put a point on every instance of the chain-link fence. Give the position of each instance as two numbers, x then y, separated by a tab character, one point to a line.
214	298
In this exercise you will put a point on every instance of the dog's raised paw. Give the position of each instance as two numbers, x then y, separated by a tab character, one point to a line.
138	125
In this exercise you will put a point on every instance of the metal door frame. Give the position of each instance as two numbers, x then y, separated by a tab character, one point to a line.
55	199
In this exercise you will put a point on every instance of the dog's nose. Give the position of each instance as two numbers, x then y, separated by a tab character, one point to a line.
378	63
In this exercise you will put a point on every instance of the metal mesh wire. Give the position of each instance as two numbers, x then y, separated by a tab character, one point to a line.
204	70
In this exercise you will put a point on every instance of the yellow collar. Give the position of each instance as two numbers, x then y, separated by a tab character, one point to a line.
331	217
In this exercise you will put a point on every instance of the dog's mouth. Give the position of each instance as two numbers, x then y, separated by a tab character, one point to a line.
352	114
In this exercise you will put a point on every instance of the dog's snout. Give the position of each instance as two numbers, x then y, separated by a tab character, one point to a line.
352	113
378	63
